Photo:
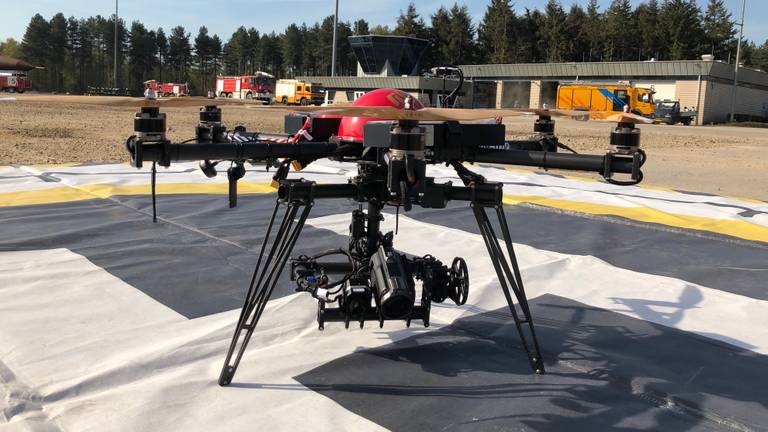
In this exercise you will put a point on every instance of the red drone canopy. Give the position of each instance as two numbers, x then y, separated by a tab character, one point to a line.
351	128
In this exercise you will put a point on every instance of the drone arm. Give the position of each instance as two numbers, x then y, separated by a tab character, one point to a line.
165	152
606	165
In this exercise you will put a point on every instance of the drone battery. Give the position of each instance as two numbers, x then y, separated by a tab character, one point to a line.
293	123
445	140
322	127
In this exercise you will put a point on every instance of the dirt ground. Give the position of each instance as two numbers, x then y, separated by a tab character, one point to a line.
36	129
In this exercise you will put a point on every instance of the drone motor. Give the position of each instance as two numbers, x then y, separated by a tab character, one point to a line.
210	129
406	160
149	124
625	139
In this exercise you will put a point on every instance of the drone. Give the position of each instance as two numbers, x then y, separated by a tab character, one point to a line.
392	138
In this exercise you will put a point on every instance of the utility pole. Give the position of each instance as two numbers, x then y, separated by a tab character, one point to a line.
335	26
738	59
115	70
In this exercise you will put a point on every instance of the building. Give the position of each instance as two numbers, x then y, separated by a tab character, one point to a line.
389	62
379	55
705	85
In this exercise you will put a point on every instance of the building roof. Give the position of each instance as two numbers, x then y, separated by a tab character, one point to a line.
374	82
717	70
10	63
605	71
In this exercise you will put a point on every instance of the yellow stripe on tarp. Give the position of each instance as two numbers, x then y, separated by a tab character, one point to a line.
65	194
733	228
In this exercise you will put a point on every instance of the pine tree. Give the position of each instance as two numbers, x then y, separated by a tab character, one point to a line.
650	40
496	35
346	59
325	45
141	51
179	54
96	27
462	36
719	29
82	45
361	28
620	31
594	28
680	21
271	55
202	58
216	53
36	48
236	52
760	57
253	51
553	31
439	41
528	46
58	50
409	23
161	44
109	39
578	38
293	50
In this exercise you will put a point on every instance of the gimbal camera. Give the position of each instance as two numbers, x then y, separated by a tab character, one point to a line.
370	280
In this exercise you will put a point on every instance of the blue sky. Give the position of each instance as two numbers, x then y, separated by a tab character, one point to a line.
224	16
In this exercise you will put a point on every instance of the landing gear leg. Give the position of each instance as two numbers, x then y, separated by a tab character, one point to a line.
510	280
265	278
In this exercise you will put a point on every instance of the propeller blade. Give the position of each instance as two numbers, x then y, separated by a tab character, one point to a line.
424	114
185	102
628	118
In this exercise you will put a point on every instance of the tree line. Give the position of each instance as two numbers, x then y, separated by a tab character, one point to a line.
78	52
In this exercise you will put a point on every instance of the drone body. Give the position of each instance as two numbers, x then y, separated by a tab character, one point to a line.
374	281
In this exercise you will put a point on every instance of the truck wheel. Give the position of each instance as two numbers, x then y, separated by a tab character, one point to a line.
285	100
249	96
303	102
686	122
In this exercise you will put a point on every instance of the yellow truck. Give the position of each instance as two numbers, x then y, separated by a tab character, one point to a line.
610	98
295	92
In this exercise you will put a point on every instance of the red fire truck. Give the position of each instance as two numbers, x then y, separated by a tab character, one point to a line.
14	81
260	86
167	89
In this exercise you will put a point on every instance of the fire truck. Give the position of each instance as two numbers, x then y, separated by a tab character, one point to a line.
167	89
290	92
260	86
14	81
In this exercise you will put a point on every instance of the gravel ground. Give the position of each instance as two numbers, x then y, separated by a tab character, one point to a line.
76	129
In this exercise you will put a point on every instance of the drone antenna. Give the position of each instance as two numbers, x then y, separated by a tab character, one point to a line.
154	192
